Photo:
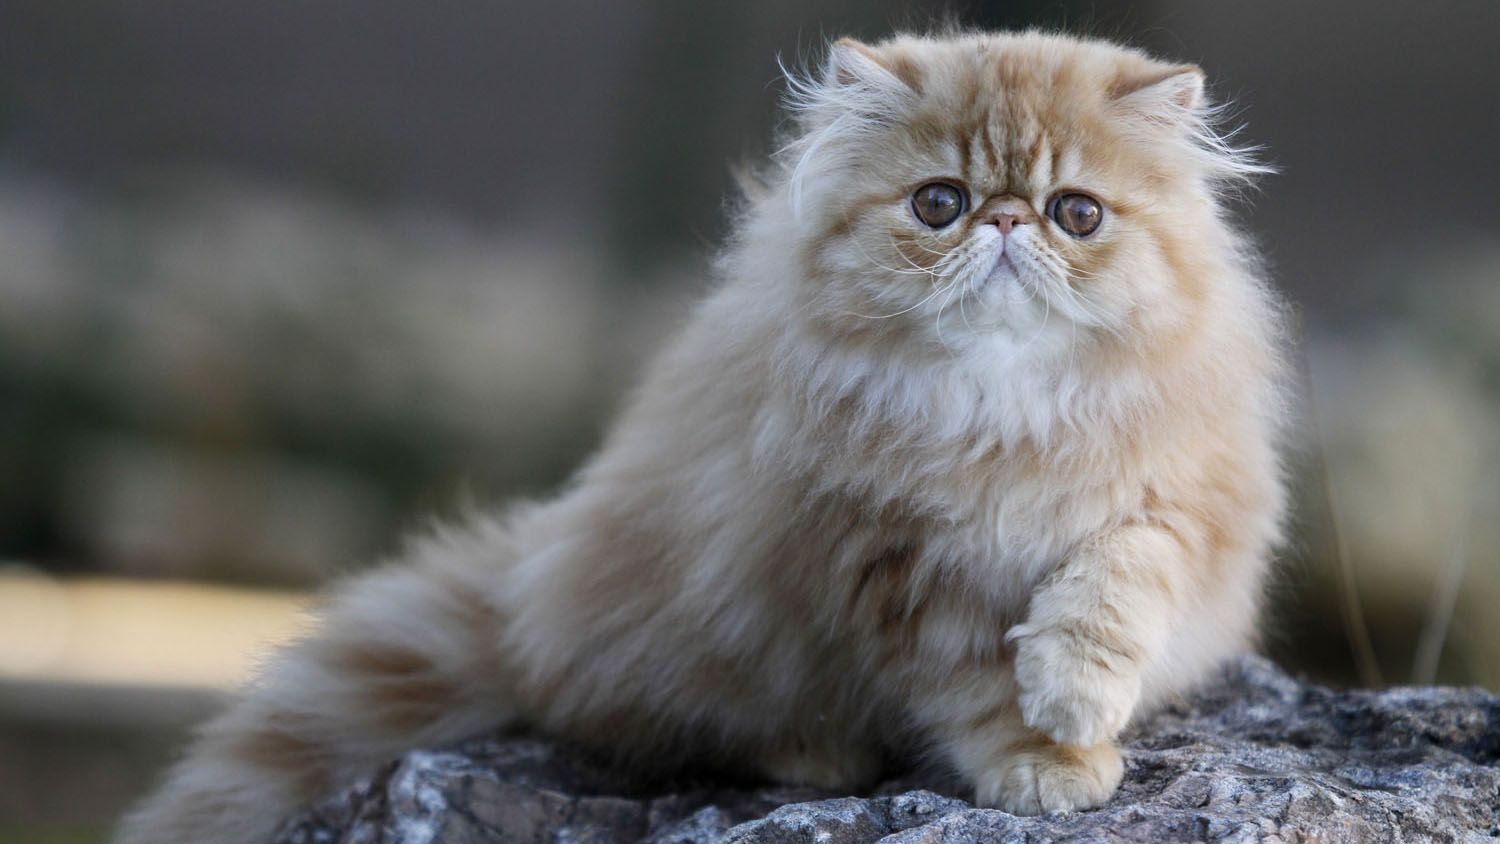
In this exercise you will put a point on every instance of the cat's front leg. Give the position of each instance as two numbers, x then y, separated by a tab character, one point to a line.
1091	629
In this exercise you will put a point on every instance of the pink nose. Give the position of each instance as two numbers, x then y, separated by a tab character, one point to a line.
1005	221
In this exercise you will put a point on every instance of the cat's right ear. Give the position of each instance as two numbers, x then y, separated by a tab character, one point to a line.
859	88
852	64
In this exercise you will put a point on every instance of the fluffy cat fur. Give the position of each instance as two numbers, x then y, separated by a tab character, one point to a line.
888	494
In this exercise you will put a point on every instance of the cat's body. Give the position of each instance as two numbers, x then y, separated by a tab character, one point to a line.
890	492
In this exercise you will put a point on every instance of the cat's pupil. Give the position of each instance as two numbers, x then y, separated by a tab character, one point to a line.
937	204
1078	214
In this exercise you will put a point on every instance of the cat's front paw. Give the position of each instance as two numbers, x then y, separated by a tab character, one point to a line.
1072	687
1051	778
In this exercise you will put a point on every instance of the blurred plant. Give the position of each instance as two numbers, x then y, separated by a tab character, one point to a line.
1409	414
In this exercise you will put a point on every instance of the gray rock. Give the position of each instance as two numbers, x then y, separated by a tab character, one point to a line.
1256	756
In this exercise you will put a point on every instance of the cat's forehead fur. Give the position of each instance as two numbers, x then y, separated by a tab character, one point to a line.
1016	98
1013	113
1035	68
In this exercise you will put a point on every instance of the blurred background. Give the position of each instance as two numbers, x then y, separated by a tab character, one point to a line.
281	281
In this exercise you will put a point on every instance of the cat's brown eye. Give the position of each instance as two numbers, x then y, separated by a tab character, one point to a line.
1077	213
937	204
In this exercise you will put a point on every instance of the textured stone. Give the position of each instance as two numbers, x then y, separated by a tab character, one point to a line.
1256	756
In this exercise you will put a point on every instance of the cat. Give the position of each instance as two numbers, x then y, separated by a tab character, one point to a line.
972	455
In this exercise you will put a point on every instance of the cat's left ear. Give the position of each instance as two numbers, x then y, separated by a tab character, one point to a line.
1169	95
1166	104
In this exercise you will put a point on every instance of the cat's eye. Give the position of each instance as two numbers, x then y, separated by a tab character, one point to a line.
1077	213
937	204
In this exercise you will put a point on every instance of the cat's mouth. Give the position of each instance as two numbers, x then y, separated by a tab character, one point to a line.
1003	294
1004	270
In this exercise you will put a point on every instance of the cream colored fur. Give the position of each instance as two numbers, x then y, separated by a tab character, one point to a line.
884	496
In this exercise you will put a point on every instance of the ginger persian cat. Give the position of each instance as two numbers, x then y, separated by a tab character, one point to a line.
971	456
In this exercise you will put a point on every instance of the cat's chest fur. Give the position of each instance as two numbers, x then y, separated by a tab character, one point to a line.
998	472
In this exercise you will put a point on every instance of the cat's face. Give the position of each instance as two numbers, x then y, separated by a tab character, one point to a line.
1016	192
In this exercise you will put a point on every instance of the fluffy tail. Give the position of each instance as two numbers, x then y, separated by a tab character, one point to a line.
405	656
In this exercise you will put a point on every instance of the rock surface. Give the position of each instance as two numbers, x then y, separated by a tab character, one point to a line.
1254	757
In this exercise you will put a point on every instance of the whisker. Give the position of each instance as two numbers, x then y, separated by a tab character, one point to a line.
1072	346
929	250
868	257
938	320
968	291
936	291
907	258
1053	267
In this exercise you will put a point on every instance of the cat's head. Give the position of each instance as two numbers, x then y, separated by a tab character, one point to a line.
1024	191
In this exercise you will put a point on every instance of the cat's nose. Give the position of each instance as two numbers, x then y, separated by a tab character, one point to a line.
1004	220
